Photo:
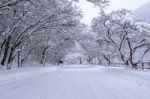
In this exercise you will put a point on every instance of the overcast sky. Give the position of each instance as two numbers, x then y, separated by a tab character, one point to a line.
90	11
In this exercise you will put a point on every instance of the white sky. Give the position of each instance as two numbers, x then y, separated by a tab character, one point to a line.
91	11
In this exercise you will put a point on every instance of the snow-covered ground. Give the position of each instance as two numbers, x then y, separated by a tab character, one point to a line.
68	82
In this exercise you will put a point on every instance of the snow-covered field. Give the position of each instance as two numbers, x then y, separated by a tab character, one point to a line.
68	82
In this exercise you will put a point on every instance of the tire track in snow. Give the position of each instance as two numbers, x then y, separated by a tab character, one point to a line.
76	83
101	88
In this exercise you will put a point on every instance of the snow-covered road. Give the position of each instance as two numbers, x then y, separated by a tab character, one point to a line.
75	83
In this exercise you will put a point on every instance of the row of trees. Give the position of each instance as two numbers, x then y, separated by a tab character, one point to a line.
31	27
121	38
45	31
39	30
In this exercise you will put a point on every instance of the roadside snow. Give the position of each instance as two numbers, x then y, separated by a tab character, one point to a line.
77	82
7	76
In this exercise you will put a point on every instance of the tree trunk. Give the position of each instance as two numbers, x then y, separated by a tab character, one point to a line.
19	59
99	60
134	65
10	59
44	55
107	59
80	60
2	45
6	51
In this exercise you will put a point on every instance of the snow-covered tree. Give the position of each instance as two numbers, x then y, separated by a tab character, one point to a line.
28	20
124	33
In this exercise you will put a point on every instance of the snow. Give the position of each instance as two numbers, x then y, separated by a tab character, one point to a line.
21	73
74	82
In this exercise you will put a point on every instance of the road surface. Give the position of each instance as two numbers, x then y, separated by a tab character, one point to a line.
75	83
